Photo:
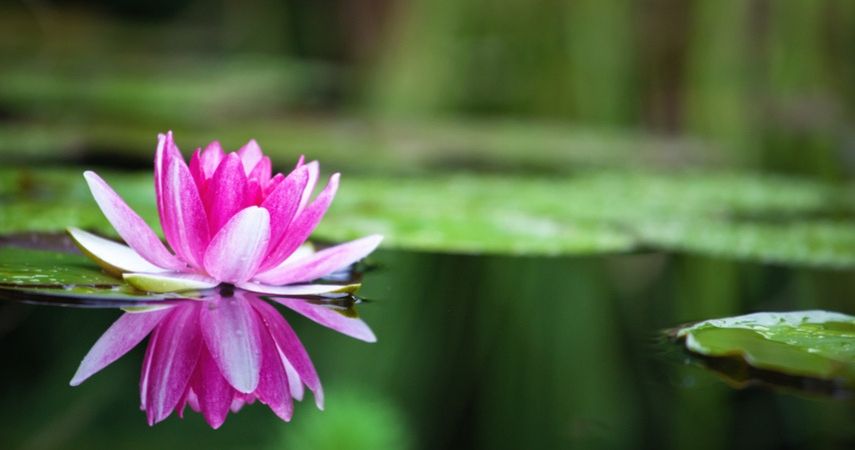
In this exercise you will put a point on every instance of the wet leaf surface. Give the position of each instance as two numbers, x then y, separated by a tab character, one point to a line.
802	349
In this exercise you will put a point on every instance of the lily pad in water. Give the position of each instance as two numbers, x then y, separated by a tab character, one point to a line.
811	346
752	217
44	276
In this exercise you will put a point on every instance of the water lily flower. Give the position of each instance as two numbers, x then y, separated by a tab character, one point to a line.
230	223
218	354
227	219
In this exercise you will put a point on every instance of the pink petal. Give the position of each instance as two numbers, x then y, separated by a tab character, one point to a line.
250	154
321	263
237	250
240	400
314	173
330	318
145	376
273	389
213	391
294	384
166	149
291	348
120	338
130	226
302	226
300	289
182	404
211	158
283	202
184	220
262	171
197	172
272	184
173	361
193	399
226	193
232	334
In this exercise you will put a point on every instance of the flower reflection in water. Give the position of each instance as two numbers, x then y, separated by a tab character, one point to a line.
219	353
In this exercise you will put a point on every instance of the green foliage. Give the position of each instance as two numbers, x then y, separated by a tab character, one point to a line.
815	344
356	420
157	90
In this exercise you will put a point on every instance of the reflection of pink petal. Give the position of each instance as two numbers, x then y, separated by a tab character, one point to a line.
119	339
273	389
330	318
291	348
232	334
294	383
173	361
213	391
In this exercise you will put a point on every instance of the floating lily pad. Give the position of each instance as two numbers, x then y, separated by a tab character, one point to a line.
753	217
808	344
806	241
62	278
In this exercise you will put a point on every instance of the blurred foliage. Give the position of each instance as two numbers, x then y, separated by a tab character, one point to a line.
427	85
357	420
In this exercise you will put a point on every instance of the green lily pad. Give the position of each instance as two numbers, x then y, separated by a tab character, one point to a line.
807	241
813	344
62	278
753	217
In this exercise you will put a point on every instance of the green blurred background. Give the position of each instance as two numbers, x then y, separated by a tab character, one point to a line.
730	119
405	85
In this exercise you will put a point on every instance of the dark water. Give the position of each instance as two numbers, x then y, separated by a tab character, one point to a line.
473	352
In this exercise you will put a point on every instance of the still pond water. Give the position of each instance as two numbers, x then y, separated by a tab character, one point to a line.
473	352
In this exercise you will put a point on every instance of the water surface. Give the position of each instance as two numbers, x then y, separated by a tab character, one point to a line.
473	352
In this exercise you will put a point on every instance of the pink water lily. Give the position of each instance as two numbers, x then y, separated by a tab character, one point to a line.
227	219
218	354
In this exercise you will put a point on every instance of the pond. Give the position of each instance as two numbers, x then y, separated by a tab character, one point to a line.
472	352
